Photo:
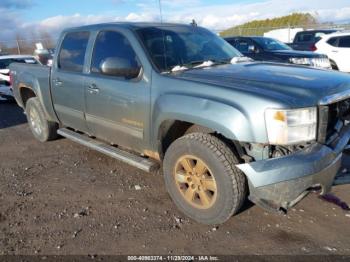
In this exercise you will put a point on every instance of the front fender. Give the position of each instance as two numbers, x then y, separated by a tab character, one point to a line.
223	118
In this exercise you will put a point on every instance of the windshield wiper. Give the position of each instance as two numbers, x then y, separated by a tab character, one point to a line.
240	59
198	64
179	68
208	63
192	64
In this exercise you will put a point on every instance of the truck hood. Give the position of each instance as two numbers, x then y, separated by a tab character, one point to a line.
294	85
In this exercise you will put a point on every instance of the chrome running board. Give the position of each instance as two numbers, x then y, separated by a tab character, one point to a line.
145	164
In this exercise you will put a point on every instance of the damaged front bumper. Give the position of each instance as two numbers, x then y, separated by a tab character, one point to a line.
279	183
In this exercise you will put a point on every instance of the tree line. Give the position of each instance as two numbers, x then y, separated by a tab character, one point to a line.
259	27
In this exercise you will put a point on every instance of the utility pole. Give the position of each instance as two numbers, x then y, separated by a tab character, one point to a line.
160	11
289	33
18	48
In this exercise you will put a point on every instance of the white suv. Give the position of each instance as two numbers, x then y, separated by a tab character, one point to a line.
337	47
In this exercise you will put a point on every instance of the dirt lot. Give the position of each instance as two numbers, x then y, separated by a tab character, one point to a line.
62	198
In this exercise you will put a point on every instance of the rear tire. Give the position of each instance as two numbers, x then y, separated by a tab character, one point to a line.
222	184
42	129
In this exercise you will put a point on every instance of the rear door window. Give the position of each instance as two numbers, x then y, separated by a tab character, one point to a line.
333	41
344	41
242	45
72	53
305	38
233	42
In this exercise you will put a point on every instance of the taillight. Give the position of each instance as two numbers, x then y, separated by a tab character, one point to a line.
313	48
11	79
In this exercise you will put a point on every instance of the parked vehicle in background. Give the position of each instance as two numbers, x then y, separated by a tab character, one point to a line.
152	93
43	56
5	83
306	40
52	54
268	49
337	47
285	35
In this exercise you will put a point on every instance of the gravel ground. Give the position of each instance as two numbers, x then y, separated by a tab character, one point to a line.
62	198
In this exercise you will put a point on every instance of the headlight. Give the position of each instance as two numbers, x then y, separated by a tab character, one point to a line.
320	62
286	127
300	61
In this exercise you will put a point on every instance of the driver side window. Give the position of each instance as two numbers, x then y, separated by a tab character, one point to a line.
111	44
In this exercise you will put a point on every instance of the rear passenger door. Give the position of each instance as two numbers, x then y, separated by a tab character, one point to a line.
117	108
67	80
341	55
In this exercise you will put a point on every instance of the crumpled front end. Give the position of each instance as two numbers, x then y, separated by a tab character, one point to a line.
279	183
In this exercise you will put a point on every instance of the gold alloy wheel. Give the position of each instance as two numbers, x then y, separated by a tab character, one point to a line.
195	181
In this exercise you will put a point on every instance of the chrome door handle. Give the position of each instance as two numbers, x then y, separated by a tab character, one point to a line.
93	89
57	82
334	51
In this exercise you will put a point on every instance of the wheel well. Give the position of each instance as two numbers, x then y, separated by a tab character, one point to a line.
26	93
169	131
173	129
333	64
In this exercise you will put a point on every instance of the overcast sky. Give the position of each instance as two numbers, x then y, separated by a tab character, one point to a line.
30	16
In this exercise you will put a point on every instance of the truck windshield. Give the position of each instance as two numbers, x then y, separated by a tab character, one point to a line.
171	46
270	44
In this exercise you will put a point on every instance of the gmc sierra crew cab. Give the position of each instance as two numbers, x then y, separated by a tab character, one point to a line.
221	126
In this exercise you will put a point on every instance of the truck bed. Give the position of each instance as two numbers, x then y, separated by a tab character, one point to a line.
36	78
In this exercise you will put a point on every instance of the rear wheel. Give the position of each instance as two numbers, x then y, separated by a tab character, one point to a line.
202	179
42	129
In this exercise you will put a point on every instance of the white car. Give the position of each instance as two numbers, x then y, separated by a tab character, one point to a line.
5	61
337	47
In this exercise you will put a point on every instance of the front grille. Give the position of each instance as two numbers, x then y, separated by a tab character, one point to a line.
332	118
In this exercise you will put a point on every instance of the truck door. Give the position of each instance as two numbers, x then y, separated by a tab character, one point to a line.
117	104
67	80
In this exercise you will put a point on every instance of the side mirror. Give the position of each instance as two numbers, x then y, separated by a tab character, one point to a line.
252	49
120	67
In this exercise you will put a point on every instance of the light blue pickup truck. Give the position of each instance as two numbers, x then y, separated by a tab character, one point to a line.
221	126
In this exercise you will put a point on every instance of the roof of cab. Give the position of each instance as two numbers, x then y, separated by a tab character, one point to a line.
128	25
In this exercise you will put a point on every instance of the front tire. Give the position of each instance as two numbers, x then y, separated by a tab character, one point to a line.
202	179
42	129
